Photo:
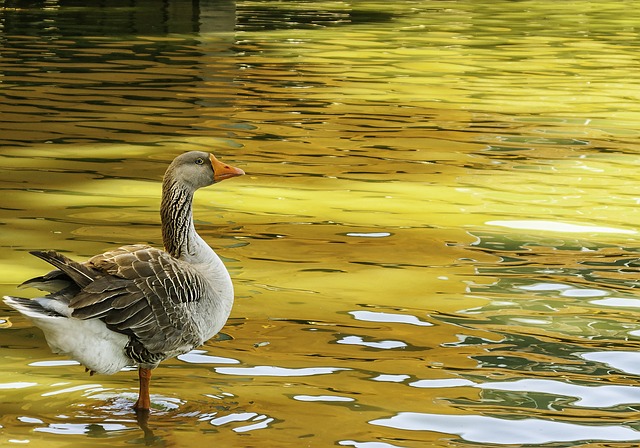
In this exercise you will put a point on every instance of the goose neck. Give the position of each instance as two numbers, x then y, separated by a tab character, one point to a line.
178	232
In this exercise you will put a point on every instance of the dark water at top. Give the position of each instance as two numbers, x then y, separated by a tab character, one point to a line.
435	244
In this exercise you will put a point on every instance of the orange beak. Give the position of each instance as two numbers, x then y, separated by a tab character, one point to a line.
222	171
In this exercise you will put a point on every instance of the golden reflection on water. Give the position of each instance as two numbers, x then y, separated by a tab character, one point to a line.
437	230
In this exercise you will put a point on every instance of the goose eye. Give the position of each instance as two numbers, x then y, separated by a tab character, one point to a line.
199	161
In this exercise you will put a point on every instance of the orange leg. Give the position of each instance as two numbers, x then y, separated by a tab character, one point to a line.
144	401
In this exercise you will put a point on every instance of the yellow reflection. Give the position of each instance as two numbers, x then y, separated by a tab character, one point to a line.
553	226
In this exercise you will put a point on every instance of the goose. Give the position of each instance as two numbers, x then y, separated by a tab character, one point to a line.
138	305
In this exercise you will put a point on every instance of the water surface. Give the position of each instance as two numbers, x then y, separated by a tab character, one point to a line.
435	244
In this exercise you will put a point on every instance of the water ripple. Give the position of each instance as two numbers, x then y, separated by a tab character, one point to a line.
482	429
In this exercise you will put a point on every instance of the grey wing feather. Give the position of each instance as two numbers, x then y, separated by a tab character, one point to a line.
80	273
143	293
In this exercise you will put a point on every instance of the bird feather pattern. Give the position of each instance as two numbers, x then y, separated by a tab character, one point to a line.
136	290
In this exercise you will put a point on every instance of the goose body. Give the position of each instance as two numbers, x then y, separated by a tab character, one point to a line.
139	305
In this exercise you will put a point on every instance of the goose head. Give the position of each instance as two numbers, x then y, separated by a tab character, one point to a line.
197	169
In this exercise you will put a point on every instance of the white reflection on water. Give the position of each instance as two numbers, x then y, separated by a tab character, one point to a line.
384	345
371	316
82	387
544	287
77	428
568	291
439	383
583	292
262	421
592	396
617	302
531	321
588	396
198	357
391	378
25	419
17	385
321	398
369	234
54	363
482	429
366	444
626	361
277	371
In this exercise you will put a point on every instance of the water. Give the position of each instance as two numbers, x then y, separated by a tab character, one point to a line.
435	245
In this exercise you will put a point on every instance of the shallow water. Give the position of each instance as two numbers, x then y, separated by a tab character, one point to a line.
435	244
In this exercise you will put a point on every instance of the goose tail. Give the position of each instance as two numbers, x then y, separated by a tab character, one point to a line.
89	342
80	274
32	308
